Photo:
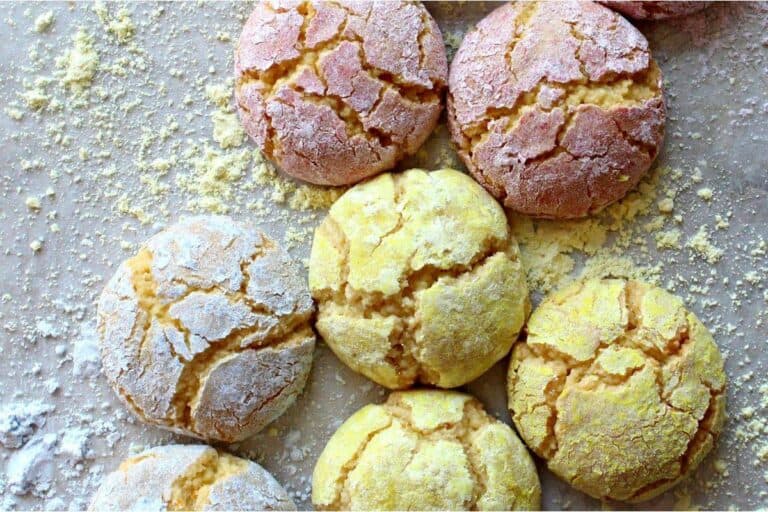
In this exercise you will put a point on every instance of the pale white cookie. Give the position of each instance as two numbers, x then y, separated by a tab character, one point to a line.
189	477
206	330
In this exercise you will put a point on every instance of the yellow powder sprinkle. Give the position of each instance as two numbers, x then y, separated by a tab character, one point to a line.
666	205
121	27
219	94
213	178
227	130
44	22
548	248
669	239
702	245
79	63
298	196
33	203
705	193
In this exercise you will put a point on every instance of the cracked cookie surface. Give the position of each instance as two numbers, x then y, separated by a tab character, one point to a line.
556	107
618	387
655	10
189	477
425	450
335	92
206	330
418	279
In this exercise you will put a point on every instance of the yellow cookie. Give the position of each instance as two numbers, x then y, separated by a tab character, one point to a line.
417	278
425	450
618	387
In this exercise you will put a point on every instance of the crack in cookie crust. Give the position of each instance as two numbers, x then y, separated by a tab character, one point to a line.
618	387
562	114
324	68
206	330
425	449
189	477
397	268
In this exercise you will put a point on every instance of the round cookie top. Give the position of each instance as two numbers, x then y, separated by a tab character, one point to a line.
189	477
425	450
618	387
643	10
335	92
206	330
417	278
556	107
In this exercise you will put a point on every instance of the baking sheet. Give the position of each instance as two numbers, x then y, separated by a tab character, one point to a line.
715	65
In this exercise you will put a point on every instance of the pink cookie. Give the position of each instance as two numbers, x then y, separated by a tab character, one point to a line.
556	107
655	10
337	92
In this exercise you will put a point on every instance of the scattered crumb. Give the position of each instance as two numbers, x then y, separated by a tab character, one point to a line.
79	63
702	245
44	22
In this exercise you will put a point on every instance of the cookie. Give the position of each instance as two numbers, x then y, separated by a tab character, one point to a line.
335	92
189	477
655	10
618	387
417	279
425	450
556	107
206	330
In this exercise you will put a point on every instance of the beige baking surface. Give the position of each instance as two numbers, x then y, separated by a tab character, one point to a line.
716	70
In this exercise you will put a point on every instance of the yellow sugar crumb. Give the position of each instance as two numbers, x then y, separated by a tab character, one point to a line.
227	130
121	27
162	165
298	196
213	178
36	246
705	193
606	265
702	245
36	99
548	248
721	223
33	203
79	63
666	205
44	22
14	113
219	94
669	239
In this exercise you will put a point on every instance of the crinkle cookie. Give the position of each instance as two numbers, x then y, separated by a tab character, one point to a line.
556	107
206	330
418	279
425	450
335	92
642	10
618	387
189	477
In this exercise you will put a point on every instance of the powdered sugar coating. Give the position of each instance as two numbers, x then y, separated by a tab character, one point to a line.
337	92
556	107
655	10
146	482
206	330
